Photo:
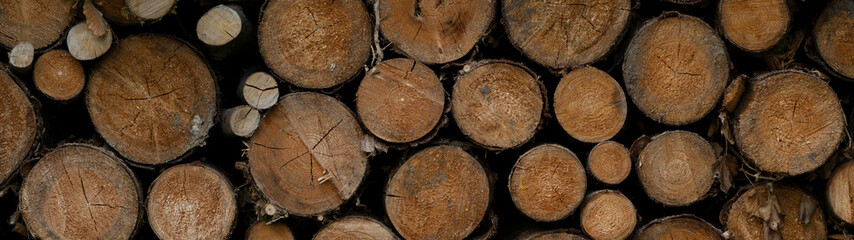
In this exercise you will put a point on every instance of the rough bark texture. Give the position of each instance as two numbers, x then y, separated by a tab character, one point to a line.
608	215
40	23
19	135
259	90
678	227
590	105
273	231
85	45
609	162
745	216
832	33
355	228
675	168
59	76
754	25
547	183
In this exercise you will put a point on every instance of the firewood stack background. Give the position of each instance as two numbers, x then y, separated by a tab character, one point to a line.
427	119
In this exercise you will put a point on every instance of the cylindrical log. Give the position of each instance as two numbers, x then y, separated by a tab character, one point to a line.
59	76
259	90
675	69
840	193
240	121
547	183
306	155
733	92
609	162
756	25
435	31
565	33
590	105
21	57
315	44
788	122
39	22
498	104
117	12
21	128
441	192
560	234
783	206
191	201
608	215
150	9
355	228
79	191
224	28
272	231
400	100
84	45
832	34
691	4
678	227
675	168
152	98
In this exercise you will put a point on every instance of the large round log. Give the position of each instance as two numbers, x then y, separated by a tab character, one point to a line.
547	183
754	25
675	168
678	227
19	134
41	23
774	209
832	34
271	231
356	228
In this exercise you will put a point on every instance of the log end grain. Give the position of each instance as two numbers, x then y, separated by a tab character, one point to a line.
832	33
306	155
22	55
608	215
240	121
152	98
498	104
355	228
38	22
788	122
754	26
609	162
678	227
441	192
675	168
590	105
150	9
570	33
59	76
85	45
547	183
675	69
400	100
560	234
21	127
79	191
435	31
191	201
840	193
315	44
272	231
742	220
733	92
259	90
219	25
117	12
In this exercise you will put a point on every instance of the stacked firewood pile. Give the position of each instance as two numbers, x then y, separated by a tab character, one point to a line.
427	119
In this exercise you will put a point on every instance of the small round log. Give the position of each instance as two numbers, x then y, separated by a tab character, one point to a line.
754	25
832	34
675	168
840	193
590	105
150	9
40	23
224	29
560	234
608	215
59	76
259	90
22	125
84	45
272	231
240	121
355	227
609	162
547	183
744	218
21	57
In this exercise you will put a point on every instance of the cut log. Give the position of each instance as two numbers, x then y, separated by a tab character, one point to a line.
400	100
788	122
315	44
441	192
832	33
259	90
240	121
565	33
754	25
608	215
547	183
224	29
272	231
590	105
675	168
609	162
560	234
435	31
39	22
191	201
150	9
20	133
305	156
678	227
152	98
498	104
355	227
687	3
840	193
79	191
84	45
21	57
59	76
774	209
733	92
675	69
117	12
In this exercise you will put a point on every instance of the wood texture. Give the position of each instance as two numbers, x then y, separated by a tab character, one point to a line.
240	121
259	90
609	162
547	183
22	56
832	33
117	12
754	25
59	76
560	234
742	221
608	214
355	228
273	231
39	23
590	105
150	9
678	227
84	45
840	193
19	136
675	168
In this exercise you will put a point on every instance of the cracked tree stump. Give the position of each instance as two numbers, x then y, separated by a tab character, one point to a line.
305	156
675	69
560	234
21	57
224	29
240	121
79	191
565	33
259	90
150	10
441	192
783	205
498	104
315	44
117	12
608	214
400	100
788	122
40	23
609	162
191	201
754	25
435	31
547	183
272	231
590	105
355	227
20	136
840	193
85	45
59	76
832	34
152	98
678	227
675	168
